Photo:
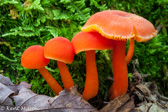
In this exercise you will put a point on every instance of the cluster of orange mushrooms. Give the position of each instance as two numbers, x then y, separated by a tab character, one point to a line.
109	30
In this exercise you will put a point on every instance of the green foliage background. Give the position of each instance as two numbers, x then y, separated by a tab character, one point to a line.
28	22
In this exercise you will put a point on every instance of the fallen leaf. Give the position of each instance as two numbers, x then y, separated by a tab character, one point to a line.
5	80
65	102
8	83
5	92
149	107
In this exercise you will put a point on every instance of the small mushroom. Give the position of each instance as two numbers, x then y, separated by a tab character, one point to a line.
33	58
61	49
130	50
90	42
120	26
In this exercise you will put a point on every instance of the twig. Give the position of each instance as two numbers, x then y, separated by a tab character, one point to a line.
161	97
110	79
158	28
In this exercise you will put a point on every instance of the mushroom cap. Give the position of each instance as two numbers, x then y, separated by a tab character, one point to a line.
84	41
119	25
60	49
33	57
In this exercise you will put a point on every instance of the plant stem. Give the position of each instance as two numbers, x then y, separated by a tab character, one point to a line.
120	73
65	75
91	83
50	80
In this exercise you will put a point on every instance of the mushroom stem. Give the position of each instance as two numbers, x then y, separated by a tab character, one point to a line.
91	83
130	50
65	75
120	73
50	80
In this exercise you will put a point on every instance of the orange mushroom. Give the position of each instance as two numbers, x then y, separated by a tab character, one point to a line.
120	26
130	50
61	49
90	42
33	58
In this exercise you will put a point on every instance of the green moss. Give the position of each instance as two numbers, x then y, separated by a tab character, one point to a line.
28	22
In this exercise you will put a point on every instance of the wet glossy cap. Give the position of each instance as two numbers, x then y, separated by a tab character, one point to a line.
60	49
84	41
119	25
33	57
